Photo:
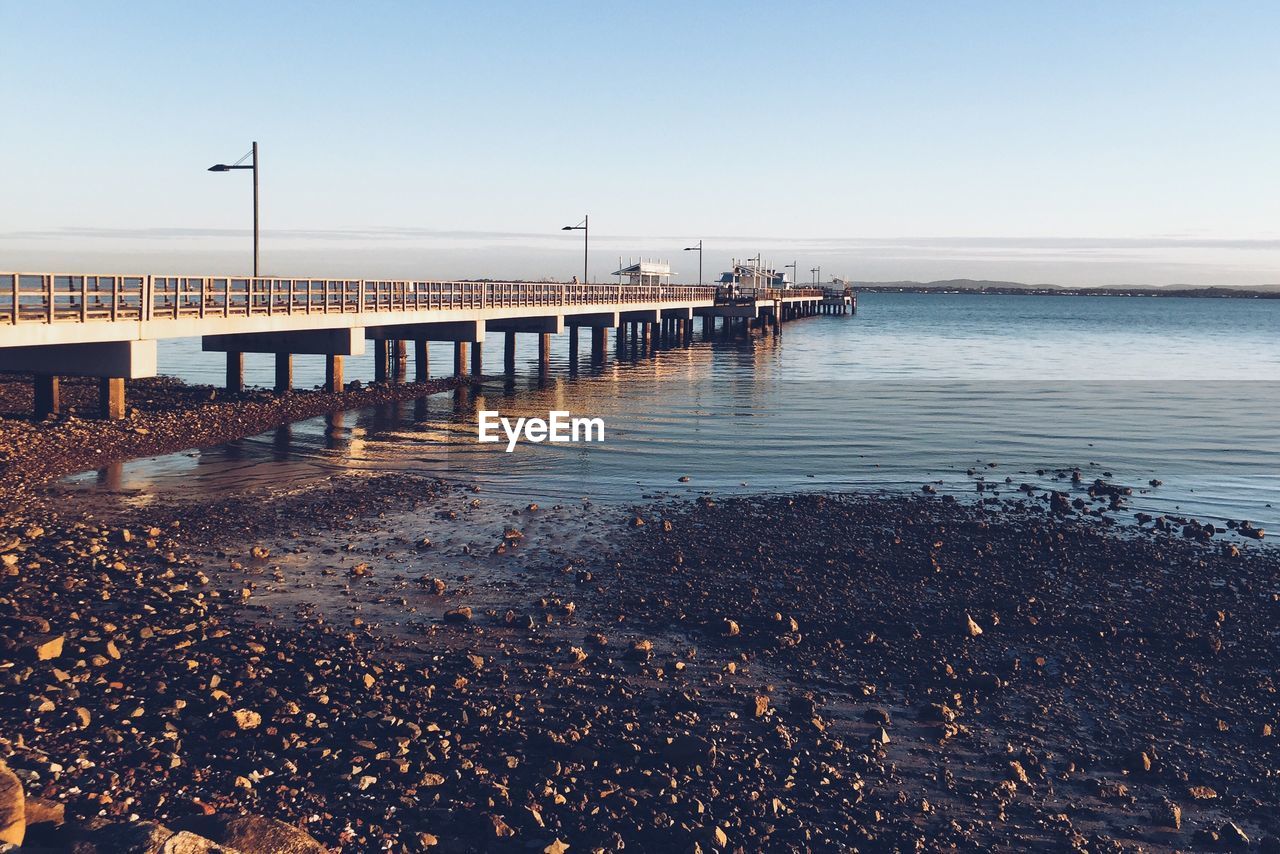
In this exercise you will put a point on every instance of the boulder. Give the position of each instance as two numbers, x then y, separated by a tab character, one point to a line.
136	837
13	811
185	842
255	834
44	811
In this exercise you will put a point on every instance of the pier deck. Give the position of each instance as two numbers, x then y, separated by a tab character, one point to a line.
106	326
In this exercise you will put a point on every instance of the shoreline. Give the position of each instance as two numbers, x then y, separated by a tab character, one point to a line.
165	415
391	656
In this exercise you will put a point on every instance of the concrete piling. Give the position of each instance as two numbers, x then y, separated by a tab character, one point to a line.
333	373
421	361
544	353
235	371
599	343
284	372
380	358
459	358
48	396
509	353
400	361
111	398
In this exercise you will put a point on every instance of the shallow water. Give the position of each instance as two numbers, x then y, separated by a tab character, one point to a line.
915	388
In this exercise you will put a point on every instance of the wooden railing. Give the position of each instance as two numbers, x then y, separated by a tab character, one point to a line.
735	293
63	298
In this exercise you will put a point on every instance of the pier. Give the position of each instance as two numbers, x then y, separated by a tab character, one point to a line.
106	326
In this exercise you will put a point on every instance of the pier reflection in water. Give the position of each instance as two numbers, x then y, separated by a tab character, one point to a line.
914	389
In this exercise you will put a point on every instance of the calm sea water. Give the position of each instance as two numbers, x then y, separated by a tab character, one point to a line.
916	388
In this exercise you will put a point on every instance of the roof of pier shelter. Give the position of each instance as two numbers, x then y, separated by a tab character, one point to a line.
646	268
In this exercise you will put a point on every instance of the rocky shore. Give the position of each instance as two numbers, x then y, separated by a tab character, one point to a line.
392	663
164	415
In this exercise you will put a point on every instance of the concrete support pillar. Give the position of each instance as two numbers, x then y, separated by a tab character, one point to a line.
235	372
380	351
573	348
477	360
599	343
509	353
648	335
400	361
459	358
421	361
708	325
544	352
111	398
48	396
333	374
284	372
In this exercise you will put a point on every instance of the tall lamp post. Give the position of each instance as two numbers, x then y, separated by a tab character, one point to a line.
699	250
817	271
252	157
586	236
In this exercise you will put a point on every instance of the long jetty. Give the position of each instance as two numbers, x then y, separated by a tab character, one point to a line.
55	325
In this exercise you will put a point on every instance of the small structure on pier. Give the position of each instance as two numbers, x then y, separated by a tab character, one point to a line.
645	273
753	276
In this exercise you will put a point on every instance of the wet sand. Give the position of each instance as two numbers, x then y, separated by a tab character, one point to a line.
393	662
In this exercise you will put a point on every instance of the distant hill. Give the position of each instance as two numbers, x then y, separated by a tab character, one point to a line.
994	287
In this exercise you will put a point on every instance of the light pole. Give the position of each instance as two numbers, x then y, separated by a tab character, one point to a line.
699	248
817	271
252	157
795	274
586	236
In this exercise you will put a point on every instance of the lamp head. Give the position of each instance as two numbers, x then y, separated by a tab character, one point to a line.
220	167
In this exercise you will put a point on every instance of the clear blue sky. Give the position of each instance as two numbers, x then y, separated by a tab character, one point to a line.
1047	141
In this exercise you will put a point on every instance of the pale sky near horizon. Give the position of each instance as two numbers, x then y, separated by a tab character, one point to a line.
1066	142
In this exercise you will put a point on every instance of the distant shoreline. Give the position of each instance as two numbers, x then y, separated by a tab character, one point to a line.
1026	290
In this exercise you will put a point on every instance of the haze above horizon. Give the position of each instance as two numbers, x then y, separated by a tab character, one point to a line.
1074	143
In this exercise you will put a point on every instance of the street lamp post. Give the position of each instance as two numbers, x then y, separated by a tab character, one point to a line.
586	236
817	271
252	157
699	248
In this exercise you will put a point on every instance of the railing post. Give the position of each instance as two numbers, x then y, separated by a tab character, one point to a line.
48	291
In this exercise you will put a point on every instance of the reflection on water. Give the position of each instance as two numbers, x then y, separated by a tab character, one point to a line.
915	388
